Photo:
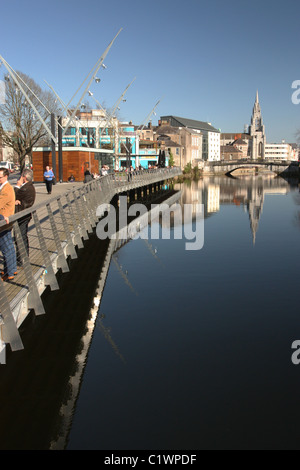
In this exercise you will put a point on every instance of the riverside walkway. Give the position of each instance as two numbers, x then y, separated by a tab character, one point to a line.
60	224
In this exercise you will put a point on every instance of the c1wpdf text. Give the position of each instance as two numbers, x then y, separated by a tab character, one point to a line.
153	459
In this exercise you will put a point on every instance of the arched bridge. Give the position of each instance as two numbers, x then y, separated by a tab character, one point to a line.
226	167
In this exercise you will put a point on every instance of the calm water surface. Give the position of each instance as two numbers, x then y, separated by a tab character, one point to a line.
190	349
202	339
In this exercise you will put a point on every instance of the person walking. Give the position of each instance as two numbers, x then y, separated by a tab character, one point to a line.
25	197
49	177
7	209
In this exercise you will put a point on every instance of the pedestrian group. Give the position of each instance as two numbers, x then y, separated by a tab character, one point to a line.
14	200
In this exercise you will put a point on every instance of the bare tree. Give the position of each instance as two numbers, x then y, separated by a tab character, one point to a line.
20	128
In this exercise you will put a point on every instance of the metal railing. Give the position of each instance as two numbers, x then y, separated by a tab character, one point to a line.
57	227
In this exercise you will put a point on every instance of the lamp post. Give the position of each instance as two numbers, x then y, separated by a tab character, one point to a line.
53	143
128	152
60	161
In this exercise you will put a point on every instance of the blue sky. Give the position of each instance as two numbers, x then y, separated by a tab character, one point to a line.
203	60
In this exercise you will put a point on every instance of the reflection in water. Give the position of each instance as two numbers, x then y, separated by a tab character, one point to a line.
248	192
180	323
153	251
119	240
106	332
123	274
40	385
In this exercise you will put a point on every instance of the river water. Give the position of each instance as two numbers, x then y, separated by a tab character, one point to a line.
184	349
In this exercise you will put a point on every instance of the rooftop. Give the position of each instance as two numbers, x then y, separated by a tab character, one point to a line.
177	121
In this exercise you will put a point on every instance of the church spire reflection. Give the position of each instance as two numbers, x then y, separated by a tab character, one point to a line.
248	192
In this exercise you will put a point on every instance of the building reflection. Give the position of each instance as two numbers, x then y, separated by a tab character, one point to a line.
41	384
247	192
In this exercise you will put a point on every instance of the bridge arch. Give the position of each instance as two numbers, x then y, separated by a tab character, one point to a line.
243	168
277	168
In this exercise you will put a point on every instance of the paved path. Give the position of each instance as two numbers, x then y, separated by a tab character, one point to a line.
57	189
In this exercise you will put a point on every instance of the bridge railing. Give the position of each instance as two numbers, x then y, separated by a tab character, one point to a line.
247	161
57	227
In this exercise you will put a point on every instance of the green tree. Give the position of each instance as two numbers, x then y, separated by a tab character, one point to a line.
196	172
187	169
171	158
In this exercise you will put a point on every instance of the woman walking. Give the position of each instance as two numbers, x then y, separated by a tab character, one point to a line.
49	177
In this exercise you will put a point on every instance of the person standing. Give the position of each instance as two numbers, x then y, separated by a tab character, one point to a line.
7	209
25	198
49	177
87	176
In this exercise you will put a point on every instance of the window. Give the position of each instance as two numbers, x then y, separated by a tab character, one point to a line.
71	131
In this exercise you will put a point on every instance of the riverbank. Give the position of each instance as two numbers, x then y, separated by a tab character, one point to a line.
238	169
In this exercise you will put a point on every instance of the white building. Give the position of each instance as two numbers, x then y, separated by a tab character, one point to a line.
282	151
214	146
213	198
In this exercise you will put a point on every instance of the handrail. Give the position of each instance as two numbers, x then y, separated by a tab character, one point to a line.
77	217
115	177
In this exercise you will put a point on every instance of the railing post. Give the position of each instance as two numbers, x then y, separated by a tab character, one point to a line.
85	211
34	299
61	259
100	196
82	226
50	278
95	194
70	246
89	199
10	333
77	236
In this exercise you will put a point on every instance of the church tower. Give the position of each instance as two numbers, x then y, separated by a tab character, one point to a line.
257	132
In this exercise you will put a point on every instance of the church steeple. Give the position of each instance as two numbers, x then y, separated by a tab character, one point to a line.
257	131
256	113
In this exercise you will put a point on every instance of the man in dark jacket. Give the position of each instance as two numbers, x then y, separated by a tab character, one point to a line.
25	198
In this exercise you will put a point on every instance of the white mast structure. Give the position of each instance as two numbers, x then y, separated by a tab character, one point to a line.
51	131
93	74
109	117
141	127
17	79
67	110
